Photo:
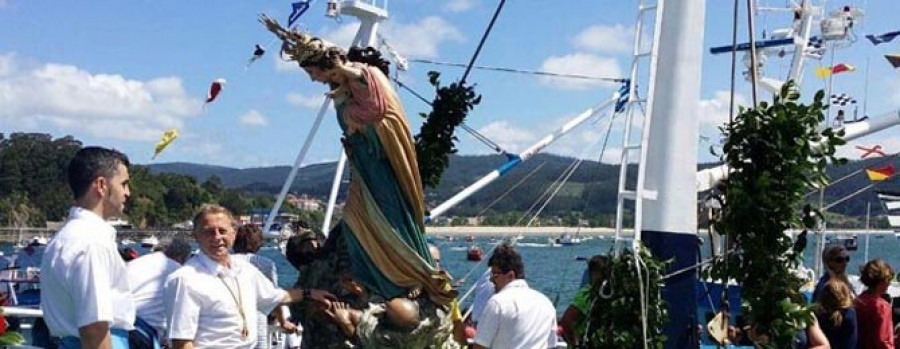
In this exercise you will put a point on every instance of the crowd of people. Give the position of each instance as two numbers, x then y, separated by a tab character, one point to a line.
94	296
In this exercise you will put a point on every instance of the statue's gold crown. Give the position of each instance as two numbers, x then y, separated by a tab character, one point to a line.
301	47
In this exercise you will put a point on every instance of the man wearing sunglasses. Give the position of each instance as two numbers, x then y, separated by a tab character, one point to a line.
835	258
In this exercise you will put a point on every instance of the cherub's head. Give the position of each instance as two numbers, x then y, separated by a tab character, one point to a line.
402	313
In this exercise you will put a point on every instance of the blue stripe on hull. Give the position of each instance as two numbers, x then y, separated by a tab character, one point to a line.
679	290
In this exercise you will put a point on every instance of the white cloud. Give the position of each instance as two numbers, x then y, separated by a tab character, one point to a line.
714	112
253	118
105	106
303	101
580	64
6	62
458	5
605	38
419	39
508	136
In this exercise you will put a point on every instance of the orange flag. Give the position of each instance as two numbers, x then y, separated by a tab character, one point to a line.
880	173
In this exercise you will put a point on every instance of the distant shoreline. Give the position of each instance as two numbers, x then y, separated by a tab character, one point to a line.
482	231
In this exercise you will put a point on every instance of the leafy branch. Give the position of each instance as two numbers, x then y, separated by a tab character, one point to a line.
776	154
615	319
436	140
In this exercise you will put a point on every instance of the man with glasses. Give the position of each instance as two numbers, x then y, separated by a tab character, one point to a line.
835	259
516	316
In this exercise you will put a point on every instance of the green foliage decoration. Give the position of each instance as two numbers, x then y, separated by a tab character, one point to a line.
436	140
614	320
776	154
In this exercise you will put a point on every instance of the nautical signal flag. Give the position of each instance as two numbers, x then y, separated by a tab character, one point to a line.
824	72
893	59
164	142
874	151
883	38
880	173
258	52
214	89
842	99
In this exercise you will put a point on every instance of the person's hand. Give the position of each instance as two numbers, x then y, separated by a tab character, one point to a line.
414	292
288	327
321	296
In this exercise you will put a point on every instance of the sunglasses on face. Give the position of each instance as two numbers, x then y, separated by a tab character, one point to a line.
842	259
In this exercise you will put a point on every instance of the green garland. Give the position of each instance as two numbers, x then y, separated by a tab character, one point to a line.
435	141
776	154
616	322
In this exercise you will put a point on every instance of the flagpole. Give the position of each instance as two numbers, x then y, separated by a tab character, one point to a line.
866	92
830	87
868	232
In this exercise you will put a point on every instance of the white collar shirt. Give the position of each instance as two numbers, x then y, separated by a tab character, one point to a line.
83	278
200	308
147	277
517	317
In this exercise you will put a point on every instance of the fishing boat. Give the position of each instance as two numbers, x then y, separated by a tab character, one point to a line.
568	240
150	241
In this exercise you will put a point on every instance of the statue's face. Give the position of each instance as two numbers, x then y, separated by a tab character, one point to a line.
317	74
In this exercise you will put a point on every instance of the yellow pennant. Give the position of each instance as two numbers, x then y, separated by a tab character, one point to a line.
164	142
823	72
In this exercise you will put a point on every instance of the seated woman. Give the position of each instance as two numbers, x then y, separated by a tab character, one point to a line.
573	320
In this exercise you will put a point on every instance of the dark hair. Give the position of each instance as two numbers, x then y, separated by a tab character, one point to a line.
90	163
178	249
506	258
598	263
248	239
369	56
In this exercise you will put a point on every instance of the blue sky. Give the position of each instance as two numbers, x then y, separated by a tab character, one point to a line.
119	73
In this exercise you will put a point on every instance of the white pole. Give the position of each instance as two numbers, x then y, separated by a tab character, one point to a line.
523	156
868	232
332	198
297	162
671	143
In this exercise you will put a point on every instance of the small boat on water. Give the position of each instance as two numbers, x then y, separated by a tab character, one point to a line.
149	242
850	243
567	240
475	253
470	238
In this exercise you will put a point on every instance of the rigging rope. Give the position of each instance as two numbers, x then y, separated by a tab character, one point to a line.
480	137
511	189
522	71
506	235
481	43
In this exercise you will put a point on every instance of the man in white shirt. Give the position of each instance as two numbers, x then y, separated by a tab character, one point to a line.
212	300
516	316
147	275
85	295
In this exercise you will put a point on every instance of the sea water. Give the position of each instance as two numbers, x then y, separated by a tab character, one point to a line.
557	271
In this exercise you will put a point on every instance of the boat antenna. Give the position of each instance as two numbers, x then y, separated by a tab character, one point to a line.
753	67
